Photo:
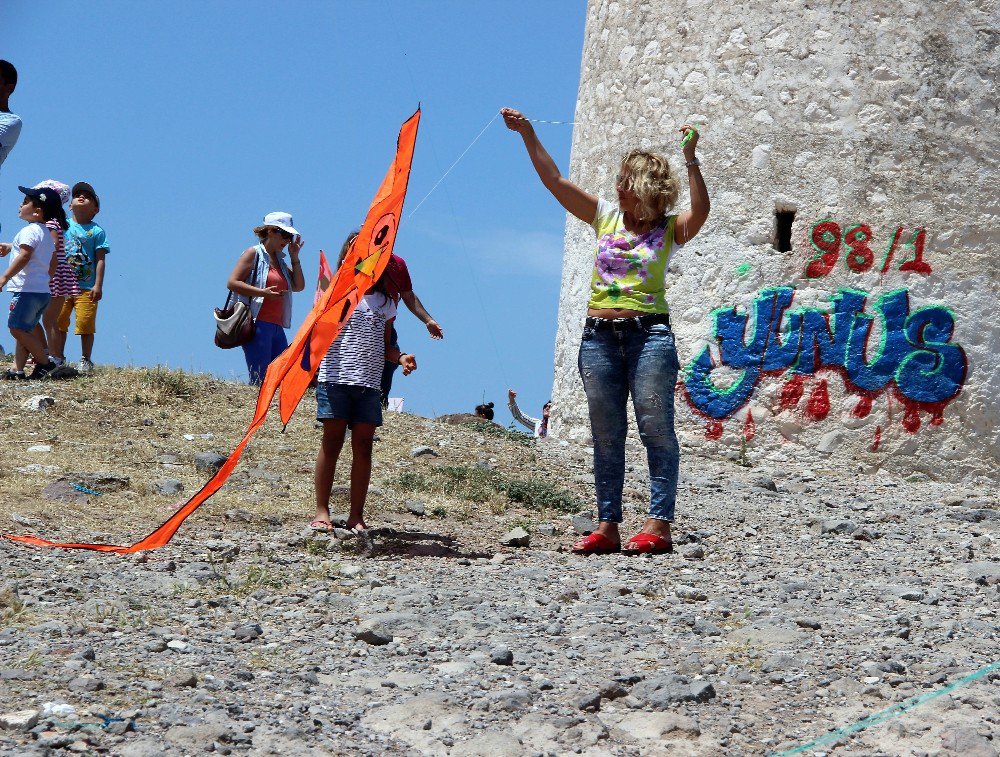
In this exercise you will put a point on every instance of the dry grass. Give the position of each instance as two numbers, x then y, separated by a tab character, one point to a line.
122	419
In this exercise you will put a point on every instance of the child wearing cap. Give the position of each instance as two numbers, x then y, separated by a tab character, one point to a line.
27	278
86	246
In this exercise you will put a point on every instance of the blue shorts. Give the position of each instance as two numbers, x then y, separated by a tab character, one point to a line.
26	309
354	404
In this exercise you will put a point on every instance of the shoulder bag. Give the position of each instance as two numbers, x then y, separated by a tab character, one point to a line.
234	326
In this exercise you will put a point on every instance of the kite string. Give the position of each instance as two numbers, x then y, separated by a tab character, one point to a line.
452	166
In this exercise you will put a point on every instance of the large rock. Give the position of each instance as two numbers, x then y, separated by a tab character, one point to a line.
516	537
660	692
373	632
23	720
38	403
208	462
167	487
63	491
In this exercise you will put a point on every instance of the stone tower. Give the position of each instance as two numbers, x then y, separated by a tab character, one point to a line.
840	305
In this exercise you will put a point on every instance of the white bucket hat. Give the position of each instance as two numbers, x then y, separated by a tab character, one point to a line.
280	220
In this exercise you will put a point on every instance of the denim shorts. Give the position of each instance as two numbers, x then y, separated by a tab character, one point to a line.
26	309
354	404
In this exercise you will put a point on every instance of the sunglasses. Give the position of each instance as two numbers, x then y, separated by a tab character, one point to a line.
284	234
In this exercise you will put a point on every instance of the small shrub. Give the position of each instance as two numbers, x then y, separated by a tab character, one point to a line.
497	431
480	485
412	481
538	495
161	385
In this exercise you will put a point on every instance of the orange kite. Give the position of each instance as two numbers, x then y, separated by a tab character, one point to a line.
292	371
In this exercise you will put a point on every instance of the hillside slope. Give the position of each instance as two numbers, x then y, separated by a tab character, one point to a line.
796	601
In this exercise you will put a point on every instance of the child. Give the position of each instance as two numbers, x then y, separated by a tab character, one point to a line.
62	285
27	278
349	395
86	246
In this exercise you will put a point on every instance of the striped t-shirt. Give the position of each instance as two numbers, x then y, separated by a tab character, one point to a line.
357	354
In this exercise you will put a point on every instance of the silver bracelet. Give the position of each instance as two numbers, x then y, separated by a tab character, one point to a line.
693	163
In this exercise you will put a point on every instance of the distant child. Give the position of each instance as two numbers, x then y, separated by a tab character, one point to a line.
61	285
27	278
349	395
86	246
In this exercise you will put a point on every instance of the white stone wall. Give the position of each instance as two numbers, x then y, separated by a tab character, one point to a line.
866	112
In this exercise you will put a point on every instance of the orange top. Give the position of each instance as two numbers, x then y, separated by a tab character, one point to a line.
272	311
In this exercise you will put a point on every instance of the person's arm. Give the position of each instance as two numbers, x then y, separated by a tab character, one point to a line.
237	279
690	221
54	260
298	282
581	204
524	420
415	306
395	355
97	291
17	264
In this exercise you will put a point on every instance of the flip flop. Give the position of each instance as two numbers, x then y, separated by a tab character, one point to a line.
595	544
648	544
321	525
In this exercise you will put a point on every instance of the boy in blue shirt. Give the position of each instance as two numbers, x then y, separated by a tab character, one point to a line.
86	246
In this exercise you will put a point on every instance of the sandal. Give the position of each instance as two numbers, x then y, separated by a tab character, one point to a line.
595	544
321	525
648	544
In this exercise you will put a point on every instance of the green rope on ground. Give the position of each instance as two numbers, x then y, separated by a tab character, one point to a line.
897	709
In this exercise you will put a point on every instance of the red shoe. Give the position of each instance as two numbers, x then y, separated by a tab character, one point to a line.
648	544
595	544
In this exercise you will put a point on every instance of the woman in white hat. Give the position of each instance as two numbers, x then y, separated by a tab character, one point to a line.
264	281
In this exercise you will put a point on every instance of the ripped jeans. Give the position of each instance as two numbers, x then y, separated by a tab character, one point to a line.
642	362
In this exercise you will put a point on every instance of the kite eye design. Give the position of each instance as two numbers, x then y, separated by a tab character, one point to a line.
381	239
385	231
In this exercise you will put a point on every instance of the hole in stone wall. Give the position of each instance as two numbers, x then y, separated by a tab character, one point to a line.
783	230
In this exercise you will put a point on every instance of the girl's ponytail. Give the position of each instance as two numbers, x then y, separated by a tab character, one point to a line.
60	216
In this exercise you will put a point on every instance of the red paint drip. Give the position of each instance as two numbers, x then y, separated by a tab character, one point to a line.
863	408
937	418
713	430
749	427
791	392
878	439
818	406
911	420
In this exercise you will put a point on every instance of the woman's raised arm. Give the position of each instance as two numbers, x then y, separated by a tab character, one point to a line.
581	204
690	221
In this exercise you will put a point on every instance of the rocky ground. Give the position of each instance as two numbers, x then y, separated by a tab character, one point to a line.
797	600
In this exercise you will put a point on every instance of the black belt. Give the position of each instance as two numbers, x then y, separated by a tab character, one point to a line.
634	323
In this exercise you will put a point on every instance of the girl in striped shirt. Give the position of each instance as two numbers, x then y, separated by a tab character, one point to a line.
348	396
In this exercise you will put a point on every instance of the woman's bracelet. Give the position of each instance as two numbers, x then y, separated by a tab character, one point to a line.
693	163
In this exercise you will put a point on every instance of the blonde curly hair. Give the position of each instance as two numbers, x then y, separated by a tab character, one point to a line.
649	177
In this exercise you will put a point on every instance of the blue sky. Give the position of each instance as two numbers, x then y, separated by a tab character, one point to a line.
193	120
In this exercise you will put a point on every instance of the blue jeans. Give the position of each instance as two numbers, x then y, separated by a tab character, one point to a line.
643	363
268	342
26	310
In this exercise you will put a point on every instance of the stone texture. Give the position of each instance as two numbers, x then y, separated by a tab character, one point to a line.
798	114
